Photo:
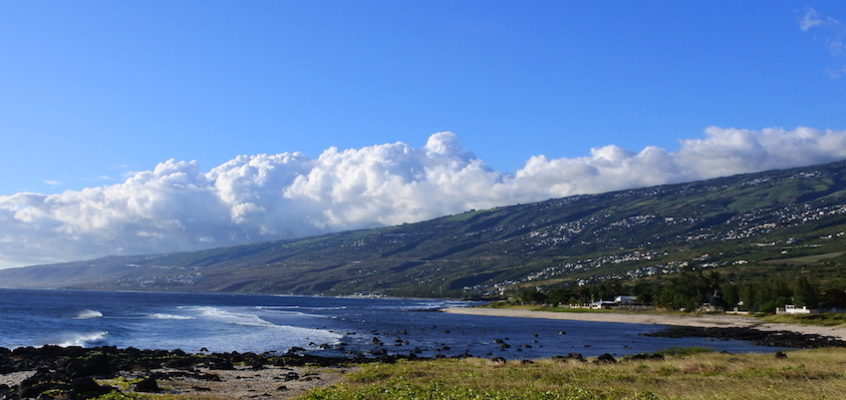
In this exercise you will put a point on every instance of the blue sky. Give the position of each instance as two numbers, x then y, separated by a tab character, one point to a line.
131	127
91	89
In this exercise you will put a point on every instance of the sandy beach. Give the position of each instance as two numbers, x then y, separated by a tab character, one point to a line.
696	320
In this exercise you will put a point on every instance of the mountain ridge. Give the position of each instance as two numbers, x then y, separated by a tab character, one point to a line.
583	237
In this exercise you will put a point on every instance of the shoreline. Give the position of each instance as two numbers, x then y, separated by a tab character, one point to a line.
697	321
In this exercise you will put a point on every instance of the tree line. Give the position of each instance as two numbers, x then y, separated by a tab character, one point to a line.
690	289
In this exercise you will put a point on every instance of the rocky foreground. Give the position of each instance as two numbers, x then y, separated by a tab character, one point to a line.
53	372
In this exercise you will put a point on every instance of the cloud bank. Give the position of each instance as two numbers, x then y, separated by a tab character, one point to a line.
177	206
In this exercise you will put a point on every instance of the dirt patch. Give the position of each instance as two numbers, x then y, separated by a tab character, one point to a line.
245	383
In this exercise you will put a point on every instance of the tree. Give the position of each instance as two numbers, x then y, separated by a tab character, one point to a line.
731	294
558	296
805	293
834	298
645	292
532	296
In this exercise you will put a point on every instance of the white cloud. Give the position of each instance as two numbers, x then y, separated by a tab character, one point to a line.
177	206
809	19
52	182
832	33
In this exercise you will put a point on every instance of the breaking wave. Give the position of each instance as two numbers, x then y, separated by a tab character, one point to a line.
169	316
234	318
253	320
299	307
86	314
85	339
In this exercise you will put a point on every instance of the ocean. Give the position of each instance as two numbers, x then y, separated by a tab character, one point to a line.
321	325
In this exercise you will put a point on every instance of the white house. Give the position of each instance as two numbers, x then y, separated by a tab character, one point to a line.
792	309
625	299
603	305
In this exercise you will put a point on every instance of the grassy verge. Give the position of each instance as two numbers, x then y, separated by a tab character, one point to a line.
823	319
535	307
563	309
807	374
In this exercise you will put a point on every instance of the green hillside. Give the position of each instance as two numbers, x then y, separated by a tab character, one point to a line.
744	223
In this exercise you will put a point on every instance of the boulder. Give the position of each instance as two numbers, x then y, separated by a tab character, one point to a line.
572	356
147	385
644	357
179	363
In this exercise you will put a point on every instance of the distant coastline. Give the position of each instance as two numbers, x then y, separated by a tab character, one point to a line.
693	320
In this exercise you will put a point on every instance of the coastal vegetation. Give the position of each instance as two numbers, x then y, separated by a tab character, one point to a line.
822	319
691	289
805	374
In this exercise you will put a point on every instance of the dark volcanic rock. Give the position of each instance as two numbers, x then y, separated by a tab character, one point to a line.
220	364
94	365
761	338
498	361
571	356
644	356
605	358
70	369
179	363
83	388
148	385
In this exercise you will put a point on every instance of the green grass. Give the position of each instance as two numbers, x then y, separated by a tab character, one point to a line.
399	389
573	310
822	319
806	260
146	396
564	309
120	382
534	307
684	351
684	374
128	396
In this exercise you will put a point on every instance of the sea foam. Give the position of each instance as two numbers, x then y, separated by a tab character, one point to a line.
86	314
85	339
253	320
169	316
234	318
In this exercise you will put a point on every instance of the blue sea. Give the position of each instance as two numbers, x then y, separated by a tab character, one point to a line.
261	323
